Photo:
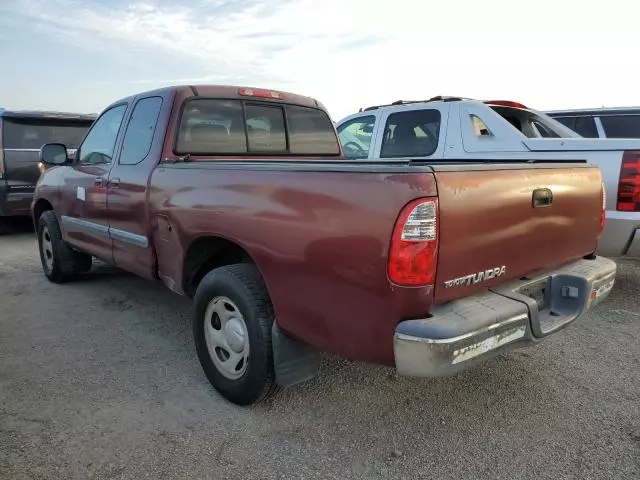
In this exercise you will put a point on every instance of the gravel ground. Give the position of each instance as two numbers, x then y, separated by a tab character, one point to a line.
99	379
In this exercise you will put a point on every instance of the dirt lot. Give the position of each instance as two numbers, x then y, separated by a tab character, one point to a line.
98	379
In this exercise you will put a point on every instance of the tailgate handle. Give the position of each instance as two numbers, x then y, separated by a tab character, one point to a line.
542	197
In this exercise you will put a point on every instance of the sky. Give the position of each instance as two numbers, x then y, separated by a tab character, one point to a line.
81	55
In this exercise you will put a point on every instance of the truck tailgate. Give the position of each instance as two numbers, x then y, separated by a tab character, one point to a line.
490	231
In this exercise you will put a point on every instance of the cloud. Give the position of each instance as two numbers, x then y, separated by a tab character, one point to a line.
350	53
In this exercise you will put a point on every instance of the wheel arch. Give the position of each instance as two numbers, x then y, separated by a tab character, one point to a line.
42	205
208	252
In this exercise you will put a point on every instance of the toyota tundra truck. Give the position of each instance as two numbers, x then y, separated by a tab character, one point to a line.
242	199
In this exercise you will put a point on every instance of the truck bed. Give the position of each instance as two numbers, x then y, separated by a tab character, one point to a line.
320	233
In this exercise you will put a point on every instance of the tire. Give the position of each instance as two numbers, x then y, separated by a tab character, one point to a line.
60	263
225	298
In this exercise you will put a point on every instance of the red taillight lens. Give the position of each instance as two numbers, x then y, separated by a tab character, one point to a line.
414	244
629	183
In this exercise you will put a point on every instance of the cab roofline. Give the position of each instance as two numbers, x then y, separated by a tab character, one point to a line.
226	92
442	98
439	98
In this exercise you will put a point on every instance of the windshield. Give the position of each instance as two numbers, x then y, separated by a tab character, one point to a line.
534	124
33	133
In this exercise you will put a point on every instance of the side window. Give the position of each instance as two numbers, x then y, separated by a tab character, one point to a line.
480	127
100	142
140	130
411	134
356	135
586	126
621	126
265	128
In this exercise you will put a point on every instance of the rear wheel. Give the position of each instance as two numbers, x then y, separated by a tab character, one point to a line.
59	261
232	331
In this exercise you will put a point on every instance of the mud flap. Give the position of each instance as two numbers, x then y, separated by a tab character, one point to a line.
294	362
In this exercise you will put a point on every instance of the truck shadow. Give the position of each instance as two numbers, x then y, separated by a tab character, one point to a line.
103	272
111	356
363	389
117	329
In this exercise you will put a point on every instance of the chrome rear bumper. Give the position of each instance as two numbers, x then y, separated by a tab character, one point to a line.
468	331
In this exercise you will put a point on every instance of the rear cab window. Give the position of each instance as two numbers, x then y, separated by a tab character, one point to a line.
31	133
210	126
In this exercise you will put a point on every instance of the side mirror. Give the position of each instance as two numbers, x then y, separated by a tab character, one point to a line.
53	154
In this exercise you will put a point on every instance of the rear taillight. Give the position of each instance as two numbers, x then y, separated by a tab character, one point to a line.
414	244
603	209
629	183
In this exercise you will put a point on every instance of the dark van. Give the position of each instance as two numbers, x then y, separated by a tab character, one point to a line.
22	133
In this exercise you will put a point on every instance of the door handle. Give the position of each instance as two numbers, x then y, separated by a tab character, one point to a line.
114	182
99	182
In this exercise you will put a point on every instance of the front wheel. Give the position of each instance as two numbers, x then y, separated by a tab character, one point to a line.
59	261
232	331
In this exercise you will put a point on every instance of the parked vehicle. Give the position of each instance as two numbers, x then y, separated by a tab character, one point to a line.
22	133
288	248
504	131
601	122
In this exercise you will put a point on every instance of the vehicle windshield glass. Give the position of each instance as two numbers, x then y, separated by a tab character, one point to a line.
33	133
220	126
533	124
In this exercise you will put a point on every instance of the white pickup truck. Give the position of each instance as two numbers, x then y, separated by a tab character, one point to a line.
454	128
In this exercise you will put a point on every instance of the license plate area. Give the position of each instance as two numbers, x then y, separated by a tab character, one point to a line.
539	292
558	299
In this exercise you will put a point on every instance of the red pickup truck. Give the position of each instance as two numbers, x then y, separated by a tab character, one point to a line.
242	199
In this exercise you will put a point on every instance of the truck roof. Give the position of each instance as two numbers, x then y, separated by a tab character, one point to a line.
45	114
442	99
398	103
235	92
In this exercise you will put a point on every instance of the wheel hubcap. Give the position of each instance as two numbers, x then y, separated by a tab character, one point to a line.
226	337
47	248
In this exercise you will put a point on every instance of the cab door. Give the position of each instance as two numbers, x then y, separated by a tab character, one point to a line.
83	208
128	183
